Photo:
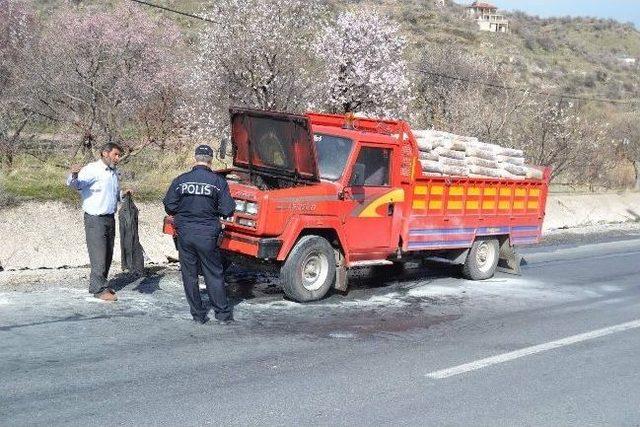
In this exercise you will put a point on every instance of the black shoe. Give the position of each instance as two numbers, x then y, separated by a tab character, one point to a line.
226	322
201	320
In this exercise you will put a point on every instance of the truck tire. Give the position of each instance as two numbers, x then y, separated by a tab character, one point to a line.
310	269
482	259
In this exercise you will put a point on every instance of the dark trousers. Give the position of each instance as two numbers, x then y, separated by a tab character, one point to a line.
201	249
100	232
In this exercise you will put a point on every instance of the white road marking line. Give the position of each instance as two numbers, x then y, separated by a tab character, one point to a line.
527	351
578	258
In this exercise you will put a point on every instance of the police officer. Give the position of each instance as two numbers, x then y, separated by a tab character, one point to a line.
197	199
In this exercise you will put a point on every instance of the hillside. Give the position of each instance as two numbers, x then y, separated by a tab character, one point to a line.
577	55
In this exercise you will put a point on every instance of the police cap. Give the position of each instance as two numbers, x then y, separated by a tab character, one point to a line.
204	150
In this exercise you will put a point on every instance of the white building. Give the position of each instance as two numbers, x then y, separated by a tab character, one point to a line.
488	18
627	60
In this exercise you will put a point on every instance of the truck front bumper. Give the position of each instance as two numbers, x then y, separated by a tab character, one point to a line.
261	248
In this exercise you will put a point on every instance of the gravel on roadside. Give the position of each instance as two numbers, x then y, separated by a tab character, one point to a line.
27	280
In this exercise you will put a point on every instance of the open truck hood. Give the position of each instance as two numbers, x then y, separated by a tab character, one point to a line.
276	143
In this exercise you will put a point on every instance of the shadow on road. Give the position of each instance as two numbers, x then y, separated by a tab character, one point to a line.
248	285
73	318
146	284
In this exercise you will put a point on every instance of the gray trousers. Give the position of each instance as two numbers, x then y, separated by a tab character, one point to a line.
100	232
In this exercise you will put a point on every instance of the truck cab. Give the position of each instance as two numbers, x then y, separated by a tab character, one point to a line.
314	196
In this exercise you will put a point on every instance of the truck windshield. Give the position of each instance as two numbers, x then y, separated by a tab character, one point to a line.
332	152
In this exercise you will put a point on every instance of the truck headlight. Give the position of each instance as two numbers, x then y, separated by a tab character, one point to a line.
251	208
241	205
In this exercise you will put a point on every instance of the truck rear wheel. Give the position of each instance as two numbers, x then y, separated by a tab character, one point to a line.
482	259
310	269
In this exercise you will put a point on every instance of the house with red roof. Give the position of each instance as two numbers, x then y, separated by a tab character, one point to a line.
488	18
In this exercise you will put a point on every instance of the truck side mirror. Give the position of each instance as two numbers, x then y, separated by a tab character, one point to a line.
357	176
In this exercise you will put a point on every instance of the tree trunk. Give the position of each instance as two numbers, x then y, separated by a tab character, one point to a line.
636	167
8	146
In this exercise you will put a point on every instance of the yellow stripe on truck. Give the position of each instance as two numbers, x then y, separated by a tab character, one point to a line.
420	190
436	189
472	204
392	196
503	204
488	205
435	204
456	191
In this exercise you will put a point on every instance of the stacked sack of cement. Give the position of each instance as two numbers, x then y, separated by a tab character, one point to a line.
512	165
443	153
482	160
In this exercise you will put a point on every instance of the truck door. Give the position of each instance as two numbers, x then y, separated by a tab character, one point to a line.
371	202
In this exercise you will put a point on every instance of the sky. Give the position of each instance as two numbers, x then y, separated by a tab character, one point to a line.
620	10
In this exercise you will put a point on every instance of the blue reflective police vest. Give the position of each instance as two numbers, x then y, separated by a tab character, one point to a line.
197	199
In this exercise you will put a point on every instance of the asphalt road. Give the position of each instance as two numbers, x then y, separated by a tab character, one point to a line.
558	345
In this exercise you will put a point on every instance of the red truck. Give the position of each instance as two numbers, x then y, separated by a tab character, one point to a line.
318	194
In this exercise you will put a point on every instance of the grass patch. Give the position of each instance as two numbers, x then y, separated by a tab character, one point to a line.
150	173
29	179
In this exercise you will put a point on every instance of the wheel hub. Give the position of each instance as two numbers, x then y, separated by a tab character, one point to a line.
315	269
485	256
311	269
483	252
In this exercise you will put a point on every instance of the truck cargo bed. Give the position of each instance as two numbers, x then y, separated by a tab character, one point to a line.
450	212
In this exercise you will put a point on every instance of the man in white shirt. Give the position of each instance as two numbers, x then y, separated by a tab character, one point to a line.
99	187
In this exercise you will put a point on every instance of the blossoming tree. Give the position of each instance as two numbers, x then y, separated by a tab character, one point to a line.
364	68
256	53
106	74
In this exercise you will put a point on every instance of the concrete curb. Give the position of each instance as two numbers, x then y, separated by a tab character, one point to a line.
51	234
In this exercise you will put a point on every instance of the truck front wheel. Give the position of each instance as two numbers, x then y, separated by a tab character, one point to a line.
310	269
482	259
